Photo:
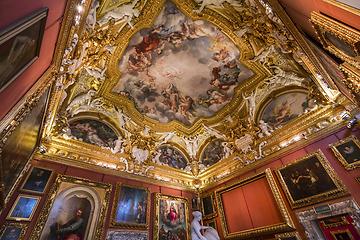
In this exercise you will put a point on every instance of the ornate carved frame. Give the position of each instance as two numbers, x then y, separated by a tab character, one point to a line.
340	190
14	225
347	206
288	235
286	225
213	202
212	221
340	157
343	222
55	191
115	204
333	234
27	177
155	220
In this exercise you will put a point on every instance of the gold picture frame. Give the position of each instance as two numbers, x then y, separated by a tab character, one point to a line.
337	38
334	222
286	225
62	194
346	150
310	179
18	228
33	182
208	206
119	216
288	236
336	234
24	208
161	203
212	224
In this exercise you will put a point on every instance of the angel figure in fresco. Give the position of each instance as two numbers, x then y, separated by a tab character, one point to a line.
220	42
186	106
171	97
221	56
141	62
284	110
215	97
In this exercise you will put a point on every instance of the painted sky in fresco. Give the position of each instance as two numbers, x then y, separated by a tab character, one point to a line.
180	69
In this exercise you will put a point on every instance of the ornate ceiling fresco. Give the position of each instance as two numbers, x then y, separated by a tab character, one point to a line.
185	92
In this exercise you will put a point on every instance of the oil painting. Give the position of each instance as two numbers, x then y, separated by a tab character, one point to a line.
171	157
131	207
340	44
13	231
93	132
20	45
347	152
23	208
37	180
342	235
208	206
285	108
206	63
20	145
74	209
171	220
309	180
214	152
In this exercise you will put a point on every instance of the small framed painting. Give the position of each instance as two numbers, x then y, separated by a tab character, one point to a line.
13	231
347	152
212	224
309	180
20	45
208	206
37	180
334	222
23	208
194	204
342	235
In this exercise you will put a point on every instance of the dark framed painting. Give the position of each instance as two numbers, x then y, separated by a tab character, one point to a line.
131	207
334	222
342	235
212	224
358	179
23	208
288	236
128	235
13	231
20	146
208	206
37	180
195	204
347	152
20	45
309	180
75	206
170	218
337	38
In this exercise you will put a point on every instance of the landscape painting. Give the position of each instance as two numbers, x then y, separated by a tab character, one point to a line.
171	157
93	132
180	69
285	108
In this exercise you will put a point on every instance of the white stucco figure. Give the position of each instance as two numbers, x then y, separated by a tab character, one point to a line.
74	64
262	57
227	150
96	72
94	105
73	43
125	12
284	78
66	133
251	103
91	17
265	129
210	233
217	3
118	145
167	136
81	100
211	131
191	145
140	155
123	119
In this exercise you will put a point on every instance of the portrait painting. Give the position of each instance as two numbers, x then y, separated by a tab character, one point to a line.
286	107
208	206
194	204
340	44
13	231
288	236
309	180
334	222
93	132
207	63
20	146
171	220
171	157
37	180
23	208
74	209
342	235
215	152
212	224
20	45
126	235
347	152
131	207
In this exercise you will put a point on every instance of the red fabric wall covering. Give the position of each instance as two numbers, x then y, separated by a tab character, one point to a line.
82	173
250	206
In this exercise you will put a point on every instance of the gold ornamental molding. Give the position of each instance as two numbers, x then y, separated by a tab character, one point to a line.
343	6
